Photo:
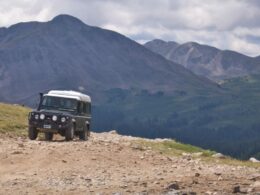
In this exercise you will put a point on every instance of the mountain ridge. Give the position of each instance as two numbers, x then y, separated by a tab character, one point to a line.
206	60
64	47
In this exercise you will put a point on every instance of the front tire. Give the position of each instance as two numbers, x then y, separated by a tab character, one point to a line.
69	133
32	133
48	136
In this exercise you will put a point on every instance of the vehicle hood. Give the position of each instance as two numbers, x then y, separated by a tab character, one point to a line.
55	112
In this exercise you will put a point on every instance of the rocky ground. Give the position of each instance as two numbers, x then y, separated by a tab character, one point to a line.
109	163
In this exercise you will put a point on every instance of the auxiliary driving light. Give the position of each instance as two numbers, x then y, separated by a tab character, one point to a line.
63	119
42	116
54	118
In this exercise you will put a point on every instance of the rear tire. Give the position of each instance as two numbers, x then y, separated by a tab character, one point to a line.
69	133
32	133
48	136
83	135
88	132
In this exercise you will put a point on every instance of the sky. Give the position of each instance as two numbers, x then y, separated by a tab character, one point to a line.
226	24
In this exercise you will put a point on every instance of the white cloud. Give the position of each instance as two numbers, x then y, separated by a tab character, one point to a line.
229	24
14	11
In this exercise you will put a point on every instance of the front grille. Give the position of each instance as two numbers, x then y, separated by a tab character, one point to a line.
48	117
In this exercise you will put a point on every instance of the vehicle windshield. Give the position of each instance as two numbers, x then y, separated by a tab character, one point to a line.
58	103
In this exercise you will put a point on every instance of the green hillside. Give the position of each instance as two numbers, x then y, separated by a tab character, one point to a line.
13	122
173	148
13	119
227	121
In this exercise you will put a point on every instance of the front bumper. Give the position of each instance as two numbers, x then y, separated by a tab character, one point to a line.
50	126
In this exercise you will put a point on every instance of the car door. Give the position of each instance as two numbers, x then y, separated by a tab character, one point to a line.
86	115
80	117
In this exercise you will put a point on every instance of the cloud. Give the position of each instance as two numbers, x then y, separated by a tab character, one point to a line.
230	24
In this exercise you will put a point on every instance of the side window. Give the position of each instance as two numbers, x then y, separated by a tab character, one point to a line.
84	107
89	108
80	107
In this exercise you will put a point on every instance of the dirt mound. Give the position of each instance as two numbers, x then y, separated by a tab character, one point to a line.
112	164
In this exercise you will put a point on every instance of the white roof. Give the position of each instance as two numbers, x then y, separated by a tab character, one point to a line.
69	94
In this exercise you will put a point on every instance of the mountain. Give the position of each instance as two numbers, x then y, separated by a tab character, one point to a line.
133	89
66	53
205	60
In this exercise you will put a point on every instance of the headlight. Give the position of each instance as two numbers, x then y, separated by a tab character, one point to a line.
54	118
36	116
63	119
42	116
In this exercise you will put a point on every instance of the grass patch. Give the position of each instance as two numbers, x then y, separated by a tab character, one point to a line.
13	119
232	162
173	148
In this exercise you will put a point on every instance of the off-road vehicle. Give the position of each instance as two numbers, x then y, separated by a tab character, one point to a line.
67	113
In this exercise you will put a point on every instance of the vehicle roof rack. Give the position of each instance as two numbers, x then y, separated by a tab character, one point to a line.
70	94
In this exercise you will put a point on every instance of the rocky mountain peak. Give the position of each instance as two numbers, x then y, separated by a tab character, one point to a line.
191	44
66	19
162	42
206	60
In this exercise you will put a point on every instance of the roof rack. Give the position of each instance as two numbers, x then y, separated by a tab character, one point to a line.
70	94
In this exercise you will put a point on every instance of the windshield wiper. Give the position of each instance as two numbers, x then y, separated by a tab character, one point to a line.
45	106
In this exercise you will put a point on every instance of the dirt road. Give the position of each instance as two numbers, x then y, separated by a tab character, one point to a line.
112	164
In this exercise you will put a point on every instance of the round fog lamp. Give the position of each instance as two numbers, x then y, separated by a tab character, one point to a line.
63	119
54	118
42	116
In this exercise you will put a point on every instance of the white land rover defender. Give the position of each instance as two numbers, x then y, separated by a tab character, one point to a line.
67	113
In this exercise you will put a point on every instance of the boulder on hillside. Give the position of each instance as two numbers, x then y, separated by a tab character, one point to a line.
252	159
218	155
